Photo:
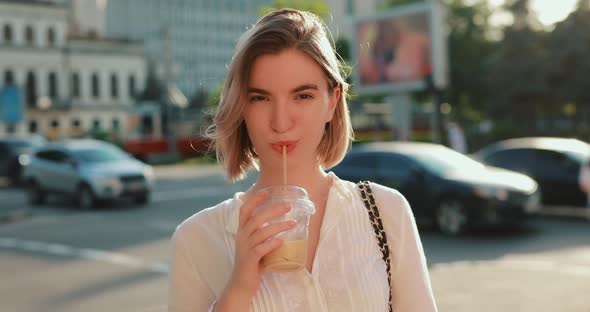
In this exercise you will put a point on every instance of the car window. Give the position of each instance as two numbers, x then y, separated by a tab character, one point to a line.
516	159
552	161
394	166
52	156
102	154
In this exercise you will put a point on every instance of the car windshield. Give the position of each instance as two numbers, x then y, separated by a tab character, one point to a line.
444	161
22	145
102	154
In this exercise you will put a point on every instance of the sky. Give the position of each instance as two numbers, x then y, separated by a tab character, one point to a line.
548	11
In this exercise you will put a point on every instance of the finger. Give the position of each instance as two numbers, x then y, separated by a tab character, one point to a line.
267	215
269	231
250	205
265	247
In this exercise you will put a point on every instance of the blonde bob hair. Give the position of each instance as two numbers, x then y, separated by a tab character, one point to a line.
273	33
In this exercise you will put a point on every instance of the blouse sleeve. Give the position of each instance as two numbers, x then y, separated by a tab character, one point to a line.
188	290
411	288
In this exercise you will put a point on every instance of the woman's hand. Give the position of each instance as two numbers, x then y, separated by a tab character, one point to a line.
254	239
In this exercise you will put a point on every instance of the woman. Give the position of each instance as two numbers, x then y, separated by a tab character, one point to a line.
284	88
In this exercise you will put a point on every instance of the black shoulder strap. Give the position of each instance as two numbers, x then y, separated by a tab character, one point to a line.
375	217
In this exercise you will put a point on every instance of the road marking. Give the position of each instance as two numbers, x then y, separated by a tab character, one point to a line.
83	253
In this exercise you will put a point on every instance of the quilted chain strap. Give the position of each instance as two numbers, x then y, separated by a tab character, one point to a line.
375	217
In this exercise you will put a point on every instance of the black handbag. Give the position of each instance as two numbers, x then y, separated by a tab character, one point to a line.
375	217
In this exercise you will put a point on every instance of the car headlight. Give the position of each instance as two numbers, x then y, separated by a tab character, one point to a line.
148	172
491	192
24	159
109	181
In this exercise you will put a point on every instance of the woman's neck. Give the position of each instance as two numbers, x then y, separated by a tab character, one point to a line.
309	178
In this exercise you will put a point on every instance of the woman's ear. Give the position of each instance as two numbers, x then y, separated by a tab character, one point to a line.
333	100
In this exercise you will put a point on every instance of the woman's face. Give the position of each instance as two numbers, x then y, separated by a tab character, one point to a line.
288	105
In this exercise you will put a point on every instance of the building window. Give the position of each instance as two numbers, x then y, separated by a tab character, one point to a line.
96	124
8	77
114	86
76	123
33	128
54	123
31	89
29	35
131	86
75	92
52	82
116	124
95	87
50	37
7	33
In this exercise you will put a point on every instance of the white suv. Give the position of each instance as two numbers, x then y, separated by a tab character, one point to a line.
89	171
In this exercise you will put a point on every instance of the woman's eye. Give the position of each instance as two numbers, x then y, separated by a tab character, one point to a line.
257	98
304	96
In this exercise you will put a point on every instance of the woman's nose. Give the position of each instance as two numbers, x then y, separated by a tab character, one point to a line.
281	119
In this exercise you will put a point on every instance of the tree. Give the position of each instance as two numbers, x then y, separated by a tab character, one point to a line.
199	99
470	47
517	77
154	89
394	3
318	7
568	48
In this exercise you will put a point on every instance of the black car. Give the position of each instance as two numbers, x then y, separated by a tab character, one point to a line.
442	186
14	154
558	165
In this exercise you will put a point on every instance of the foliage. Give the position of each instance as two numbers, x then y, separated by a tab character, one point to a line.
199	99
318	7
154	89
213	98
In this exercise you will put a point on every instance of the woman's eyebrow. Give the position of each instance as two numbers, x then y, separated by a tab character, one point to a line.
258	90
297	89
305	87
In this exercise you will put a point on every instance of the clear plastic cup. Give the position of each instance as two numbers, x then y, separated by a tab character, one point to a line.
292	254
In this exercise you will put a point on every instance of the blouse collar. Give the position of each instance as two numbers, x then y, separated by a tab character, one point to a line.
339	199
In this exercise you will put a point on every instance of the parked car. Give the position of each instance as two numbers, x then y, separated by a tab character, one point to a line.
15	153
443	186
89	171
560	166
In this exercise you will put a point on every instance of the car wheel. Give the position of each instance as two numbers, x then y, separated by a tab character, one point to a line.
451	217
85	199
36	194
142	199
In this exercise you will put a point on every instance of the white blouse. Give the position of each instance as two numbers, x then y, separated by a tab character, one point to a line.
348	272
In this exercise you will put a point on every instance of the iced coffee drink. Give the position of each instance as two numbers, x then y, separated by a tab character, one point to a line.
292	254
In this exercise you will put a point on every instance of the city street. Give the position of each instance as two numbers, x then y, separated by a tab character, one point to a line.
116	258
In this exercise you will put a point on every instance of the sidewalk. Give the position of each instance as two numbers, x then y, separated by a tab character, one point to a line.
523	285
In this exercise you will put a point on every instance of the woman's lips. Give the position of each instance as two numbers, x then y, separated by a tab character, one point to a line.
278	146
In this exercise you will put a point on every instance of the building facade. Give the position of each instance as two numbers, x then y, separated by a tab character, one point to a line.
70	86
199	35
203	33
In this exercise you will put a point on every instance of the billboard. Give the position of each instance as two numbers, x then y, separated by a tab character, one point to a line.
11	105
400	50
